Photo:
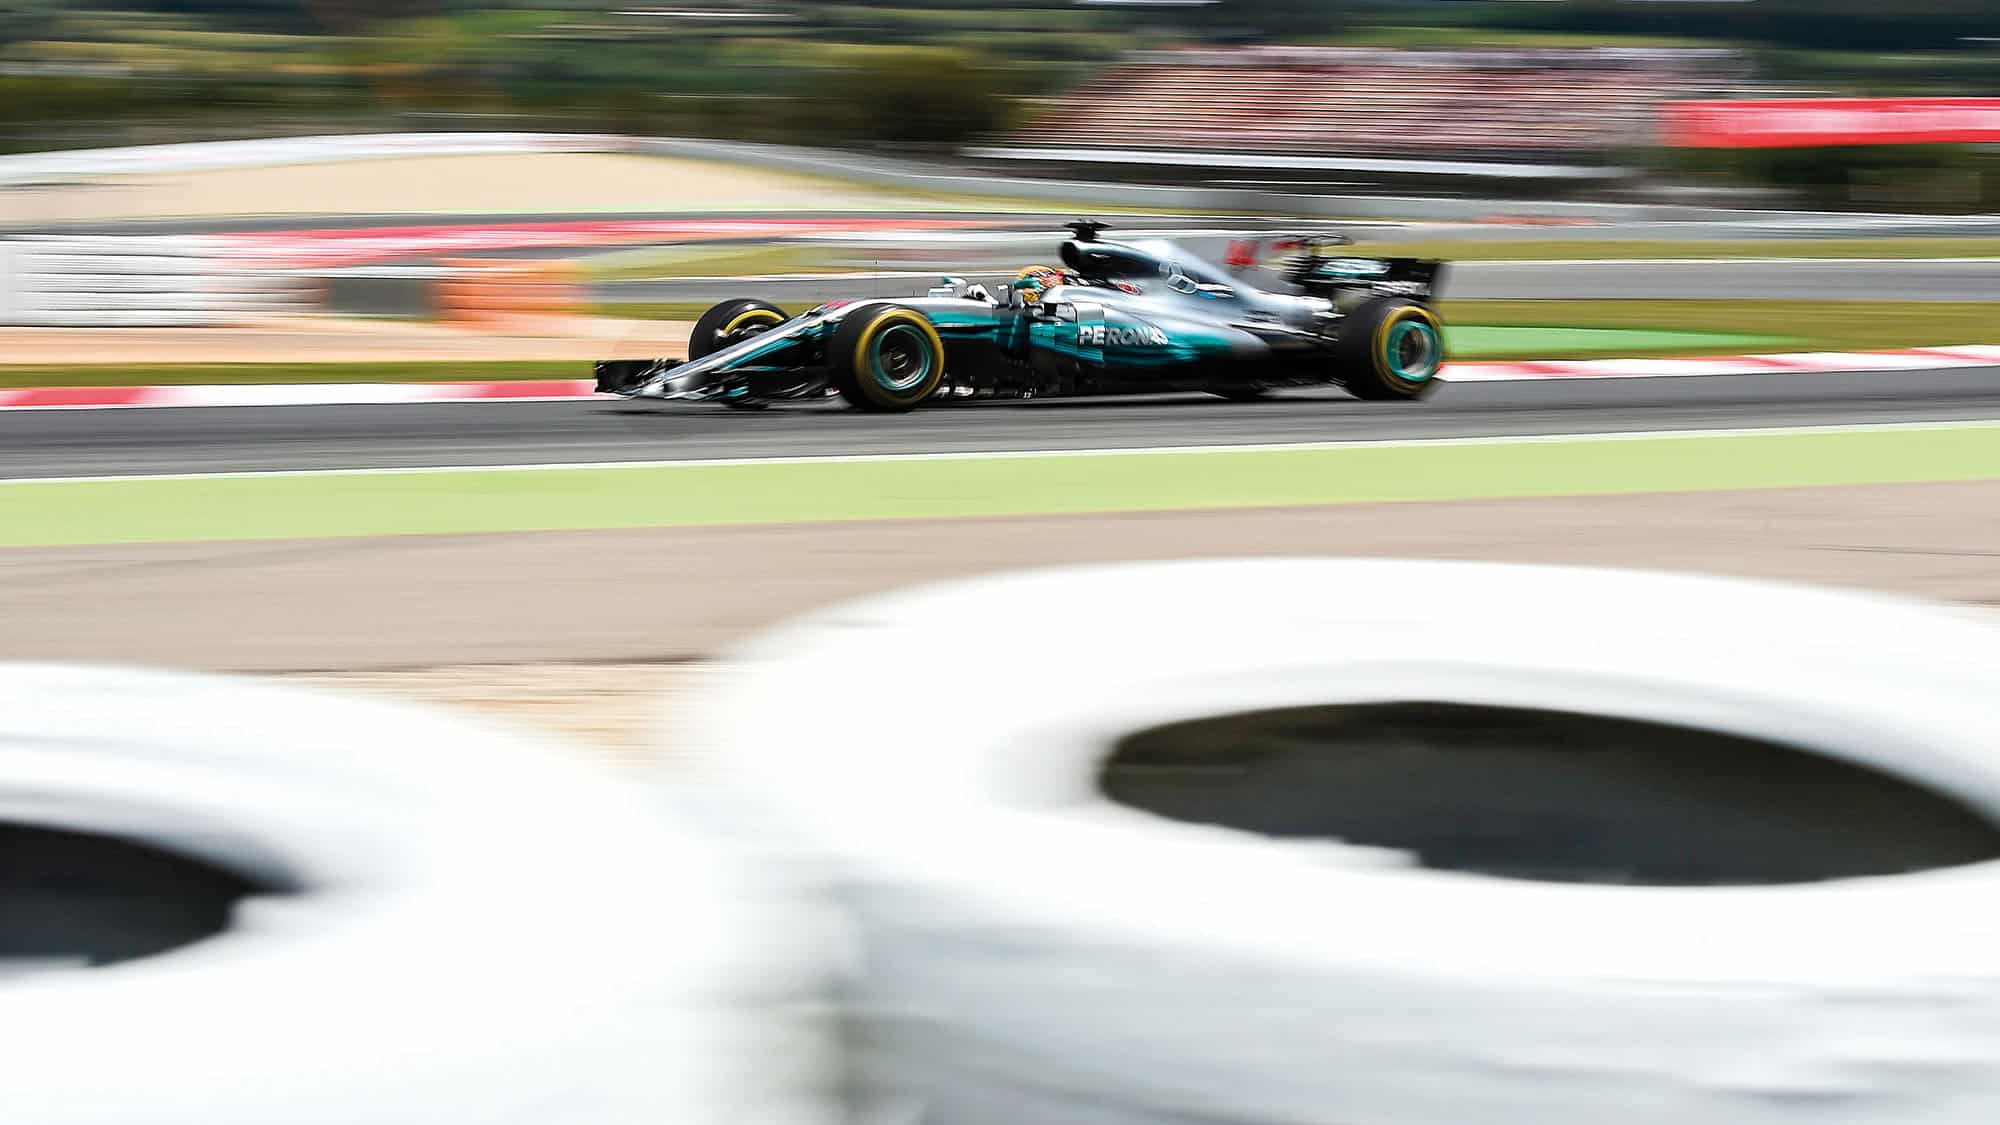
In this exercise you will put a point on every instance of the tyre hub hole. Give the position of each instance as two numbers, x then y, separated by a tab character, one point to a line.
70	899
1413	350
1546	795
902	358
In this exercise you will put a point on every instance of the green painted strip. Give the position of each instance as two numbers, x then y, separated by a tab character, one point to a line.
1478	341
282	506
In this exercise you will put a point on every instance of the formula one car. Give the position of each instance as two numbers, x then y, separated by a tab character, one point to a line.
1118	318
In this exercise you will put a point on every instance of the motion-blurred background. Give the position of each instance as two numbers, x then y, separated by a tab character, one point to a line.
298	304
1567	93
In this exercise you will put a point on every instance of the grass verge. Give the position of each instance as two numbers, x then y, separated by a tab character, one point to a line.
289	506
1481	342
659	310
683	261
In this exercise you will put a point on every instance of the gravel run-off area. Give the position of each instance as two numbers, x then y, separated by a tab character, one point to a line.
623	712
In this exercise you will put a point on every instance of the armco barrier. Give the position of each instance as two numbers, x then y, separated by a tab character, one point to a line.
1041	188
1081	195
202	156
102	281
10	278
894	172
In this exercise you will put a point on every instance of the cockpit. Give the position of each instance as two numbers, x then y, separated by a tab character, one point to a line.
1146	265
1153	267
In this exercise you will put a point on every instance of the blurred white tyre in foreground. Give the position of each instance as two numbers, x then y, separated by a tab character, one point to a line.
422	920
1035	951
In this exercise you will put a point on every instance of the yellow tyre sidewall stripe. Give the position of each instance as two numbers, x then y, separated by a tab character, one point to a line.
748	317
1380	349
874	329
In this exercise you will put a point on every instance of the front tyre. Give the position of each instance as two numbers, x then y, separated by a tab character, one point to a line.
886	358
732	322
1390	349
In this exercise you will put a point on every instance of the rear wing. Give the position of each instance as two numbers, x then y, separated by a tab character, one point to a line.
1419	279
1316	265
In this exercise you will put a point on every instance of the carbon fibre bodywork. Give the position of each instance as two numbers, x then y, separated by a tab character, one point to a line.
1138	318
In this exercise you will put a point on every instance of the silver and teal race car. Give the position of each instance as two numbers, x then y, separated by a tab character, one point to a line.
1117	318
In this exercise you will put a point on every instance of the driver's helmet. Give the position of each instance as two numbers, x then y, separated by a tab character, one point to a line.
1033	281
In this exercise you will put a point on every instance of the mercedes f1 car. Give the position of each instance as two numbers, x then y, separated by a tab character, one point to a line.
1118	318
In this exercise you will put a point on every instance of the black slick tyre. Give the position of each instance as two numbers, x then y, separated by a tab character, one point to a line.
886	358
730	322
1390	349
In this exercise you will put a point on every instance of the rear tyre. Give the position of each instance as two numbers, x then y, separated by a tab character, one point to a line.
1390	349
886	358
732	322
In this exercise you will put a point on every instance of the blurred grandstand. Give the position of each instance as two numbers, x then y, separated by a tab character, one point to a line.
1319	101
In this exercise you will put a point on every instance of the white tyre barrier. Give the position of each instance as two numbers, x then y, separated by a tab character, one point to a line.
1035	951
443	923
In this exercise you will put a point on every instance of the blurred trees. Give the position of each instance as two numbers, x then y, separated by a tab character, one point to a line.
22	20
1849	25
918	96
882	72
1891	177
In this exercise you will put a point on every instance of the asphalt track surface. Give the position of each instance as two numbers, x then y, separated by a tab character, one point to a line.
43	443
